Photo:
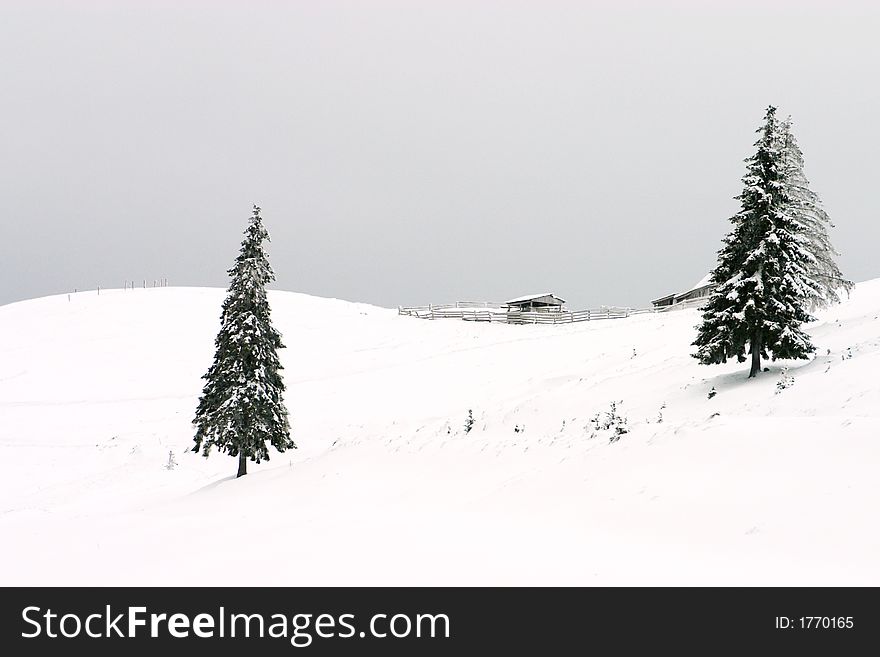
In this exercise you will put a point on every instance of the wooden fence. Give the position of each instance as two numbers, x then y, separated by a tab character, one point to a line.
472	311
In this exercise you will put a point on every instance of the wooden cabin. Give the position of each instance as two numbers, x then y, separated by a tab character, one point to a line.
662	302
544	303
702	288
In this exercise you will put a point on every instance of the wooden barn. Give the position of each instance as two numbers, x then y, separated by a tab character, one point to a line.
544	303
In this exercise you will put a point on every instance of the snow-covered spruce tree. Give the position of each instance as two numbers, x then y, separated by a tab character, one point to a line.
241	408
808	211
762	283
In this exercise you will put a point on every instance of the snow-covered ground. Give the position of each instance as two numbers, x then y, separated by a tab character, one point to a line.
749	487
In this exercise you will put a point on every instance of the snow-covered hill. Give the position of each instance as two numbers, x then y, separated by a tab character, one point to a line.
749	487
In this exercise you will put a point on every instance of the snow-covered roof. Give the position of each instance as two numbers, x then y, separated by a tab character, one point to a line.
703	282
532	297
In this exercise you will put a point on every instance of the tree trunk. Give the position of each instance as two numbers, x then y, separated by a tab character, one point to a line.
756	354
242	465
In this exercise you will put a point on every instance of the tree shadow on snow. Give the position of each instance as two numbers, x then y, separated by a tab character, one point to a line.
212	485
740	378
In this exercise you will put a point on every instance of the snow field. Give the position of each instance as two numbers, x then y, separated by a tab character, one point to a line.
755	486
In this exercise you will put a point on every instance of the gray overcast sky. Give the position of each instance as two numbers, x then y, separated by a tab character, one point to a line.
416	152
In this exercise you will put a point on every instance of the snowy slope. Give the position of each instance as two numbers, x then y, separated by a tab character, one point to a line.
750	487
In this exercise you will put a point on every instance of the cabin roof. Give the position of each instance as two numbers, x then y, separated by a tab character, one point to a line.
703	282
544	297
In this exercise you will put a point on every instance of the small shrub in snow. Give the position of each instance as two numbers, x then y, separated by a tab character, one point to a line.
519	429
469	422
593	426
172	462
611	421
660	413
787	381
712	392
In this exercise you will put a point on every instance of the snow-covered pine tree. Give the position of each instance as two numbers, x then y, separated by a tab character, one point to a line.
241	408
808	210
762	285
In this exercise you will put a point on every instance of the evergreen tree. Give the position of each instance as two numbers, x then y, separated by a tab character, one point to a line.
241	408
762	284
815	222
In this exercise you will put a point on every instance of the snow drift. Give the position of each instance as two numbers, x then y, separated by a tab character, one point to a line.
762	484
